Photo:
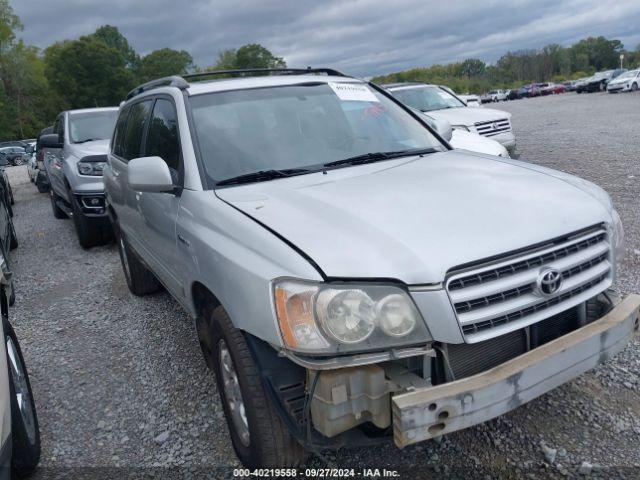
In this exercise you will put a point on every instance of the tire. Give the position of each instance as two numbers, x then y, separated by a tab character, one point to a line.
140	280
13	238
57	211
17	161
634	87
42	187
90	232
259	437
25	431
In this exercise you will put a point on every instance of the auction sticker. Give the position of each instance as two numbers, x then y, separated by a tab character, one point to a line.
353	92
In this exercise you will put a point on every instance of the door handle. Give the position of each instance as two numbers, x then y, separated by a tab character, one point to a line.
183	240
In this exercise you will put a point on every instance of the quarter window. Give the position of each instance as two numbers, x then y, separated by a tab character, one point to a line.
162	139
135	129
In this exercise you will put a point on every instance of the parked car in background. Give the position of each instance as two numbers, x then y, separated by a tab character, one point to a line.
32	166
471	100
598	82
440	104
530	90
550	88
14	154
42	179
5	185
626	82
495	96
570	85
19	430
515	93
463	140
76	156
351	279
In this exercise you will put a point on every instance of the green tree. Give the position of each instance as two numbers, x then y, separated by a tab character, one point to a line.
162	63
255	55
472	67
226	59
112	37
88	73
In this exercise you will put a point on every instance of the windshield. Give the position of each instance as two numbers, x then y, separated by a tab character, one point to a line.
299	127
629	74
427	98
88	126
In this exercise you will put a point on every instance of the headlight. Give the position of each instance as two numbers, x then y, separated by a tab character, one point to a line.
460	127
91	168
341	318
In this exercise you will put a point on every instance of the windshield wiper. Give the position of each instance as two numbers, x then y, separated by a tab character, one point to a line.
263	175
379	156
86	140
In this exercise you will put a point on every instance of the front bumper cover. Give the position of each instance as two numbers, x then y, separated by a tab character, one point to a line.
429	412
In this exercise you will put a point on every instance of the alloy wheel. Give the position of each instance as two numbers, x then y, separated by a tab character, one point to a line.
233	394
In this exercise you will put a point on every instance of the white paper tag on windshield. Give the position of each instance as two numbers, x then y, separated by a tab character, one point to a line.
353	92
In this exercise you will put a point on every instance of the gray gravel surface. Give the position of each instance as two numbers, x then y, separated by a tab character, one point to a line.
121	386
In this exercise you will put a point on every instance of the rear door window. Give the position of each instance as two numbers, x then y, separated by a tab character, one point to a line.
117	144
163	138
134	132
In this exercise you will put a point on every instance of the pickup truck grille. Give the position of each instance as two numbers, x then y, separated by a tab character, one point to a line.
493	127
502	296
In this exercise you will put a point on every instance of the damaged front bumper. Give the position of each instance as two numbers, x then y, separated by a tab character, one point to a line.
425	413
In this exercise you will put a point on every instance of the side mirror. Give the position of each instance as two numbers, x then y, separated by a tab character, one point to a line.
51	140
150	174
444	128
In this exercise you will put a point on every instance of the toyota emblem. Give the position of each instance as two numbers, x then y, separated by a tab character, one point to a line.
495	126
549	281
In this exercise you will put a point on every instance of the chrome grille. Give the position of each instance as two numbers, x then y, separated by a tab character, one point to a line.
502	296
493	127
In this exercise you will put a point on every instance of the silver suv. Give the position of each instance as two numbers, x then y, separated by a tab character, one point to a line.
76	156
351	278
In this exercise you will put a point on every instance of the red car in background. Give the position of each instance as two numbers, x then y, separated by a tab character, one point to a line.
550	88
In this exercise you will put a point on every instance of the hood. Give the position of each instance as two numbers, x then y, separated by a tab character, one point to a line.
476	143
468	116
413	219
96	147
619	80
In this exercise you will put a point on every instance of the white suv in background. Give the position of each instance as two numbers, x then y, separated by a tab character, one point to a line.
441	104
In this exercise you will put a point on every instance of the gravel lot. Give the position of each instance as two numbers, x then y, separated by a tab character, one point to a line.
120	383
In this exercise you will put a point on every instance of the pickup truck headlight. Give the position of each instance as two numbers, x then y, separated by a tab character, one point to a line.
341	318
91	168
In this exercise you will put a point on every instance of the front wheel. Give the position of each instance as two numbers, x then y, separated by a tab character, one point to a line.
17	161
13	238
140	280
634	87
25	432
259	436
57	211
91	231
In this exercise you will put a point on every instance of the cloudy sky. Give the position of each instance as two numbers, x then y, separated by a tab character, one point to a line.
361	37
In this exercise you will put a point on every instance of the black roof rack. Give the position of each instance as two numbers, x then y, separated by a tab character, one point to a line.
173	81
277	71
181	81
